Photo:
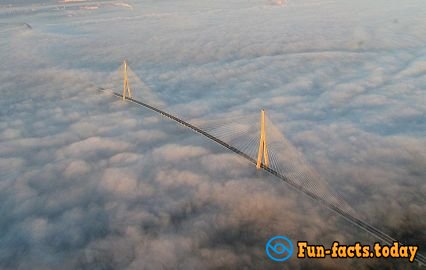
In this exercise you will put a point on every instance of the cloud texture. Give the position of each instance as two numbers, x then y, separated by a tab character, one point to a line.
89	182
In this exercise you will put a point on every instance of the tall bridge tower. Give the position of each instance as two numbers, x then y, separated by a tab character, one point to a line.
263	150
126	87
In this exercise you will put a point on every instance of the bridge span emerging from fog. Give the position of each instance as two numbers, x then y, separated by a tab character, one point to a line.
259	152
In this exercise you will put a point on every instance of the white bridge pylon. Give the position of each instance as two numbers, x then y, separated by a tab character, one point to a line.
129	85
263	150
126	86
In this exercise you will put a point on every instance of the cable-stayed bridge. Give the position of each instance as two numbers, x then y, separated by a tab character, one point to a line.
257	140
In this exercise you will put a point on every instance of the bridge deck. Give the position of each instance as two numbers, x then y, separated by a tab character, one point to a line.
352	219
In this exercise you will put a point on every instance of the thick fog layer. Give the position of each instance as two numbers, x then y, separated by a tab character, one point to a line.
90	182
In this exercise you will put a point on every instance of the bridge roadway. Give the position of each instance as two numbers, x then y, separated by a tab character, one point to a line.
352	219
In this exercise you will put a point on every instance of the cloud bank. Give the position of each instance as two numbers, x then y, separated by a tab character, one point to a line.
89	182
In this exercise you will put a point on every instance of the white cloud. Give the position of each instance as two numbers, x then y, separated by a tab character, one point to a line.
88	181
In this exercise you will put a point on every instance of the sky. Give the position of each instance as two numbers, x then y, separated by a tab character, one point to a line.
90	182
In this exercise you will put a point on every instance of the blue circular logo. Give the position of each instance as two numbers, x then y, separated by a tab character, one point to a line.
279	248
